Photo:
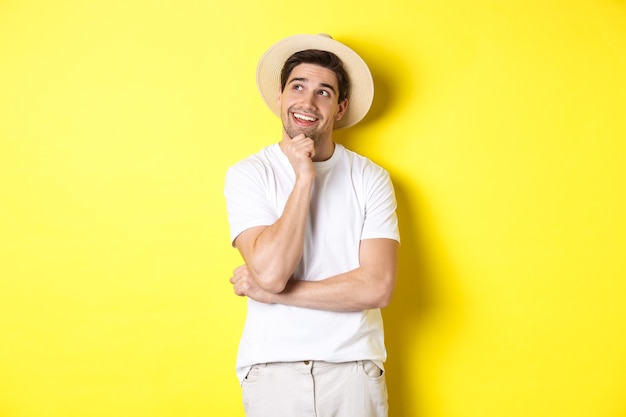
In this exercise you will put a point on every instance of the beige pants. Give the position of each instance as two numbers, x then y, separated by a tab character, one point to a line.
315	389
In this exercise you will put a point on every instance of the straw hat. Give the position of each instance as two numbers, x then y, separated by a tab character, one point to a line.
361	84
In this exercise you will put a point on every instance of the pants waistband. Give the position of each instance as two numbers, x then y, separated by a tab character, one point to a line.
311	364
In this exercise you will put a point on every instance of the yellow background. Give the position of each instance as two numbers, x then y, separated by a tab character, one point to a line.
502	124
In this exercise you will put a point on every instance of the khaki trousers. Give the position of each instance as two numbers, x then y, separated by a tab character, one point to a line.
315	389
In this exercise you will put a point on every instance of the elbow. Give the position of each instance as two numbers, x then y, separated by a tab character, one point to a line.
271	284
383	293
383	299
269	278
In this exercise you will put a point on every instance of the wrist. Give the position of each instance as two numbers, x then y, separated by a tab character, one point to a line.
305	180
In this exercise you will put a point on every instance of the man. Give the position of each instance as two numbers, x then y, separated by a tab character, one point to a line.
316	226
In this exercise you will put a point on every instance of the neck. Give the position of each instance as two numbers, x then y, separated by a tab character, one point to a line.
324	151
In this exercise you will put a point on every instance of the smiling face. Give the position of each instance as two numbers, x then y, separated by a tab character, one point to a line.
309	103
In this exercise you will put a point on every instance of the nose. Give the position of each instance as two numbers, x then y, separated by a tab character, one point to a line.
308	100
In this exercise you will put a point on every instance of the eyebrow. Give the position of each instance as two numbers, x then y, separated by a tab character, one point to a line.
303	79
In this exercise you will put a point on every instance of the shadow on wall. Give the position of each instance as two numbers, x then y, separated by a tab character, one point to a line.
411	302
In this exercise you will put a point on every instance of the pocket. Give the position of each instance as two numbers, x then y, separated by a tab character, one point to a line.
248	386
374	377
253	374
372	370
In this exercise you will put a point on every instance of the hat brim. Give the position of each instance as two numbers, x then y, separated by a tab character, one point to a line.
361	91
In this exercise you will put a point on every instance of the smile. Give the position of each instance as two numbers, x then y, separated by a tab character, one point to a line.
303	117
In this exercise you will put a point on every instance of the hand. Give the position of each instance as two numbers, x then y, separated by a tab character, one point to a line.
300	150
244	285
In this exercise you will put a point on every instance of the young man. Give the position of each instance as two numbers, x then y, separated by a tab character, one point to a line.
316	226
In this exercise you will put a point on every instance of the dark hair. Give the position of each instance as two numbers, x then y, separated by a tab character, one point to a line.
322	58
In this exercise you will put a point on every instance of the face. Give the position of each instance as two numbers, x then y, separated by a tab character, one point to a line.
308	103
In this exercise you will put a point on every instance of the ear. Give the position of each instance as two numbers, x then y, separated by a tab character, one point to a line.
343	106
279	99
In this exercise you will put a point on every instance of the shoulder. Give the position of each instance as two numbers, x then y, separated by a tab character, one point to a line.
362	164
262	157
256	163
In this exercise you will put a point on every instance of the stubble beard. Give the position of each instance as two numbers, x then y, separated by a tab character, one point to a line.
309	133
293	131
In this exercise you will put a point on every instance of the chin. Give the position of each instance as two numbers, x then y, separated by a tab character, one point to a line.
293	132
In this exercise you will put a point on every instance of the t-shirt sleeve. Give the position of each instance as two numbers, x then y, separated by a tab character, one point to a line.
247	203
381	220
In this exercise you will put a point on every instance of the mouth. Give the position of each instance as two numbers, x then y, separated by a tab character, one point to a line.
303	119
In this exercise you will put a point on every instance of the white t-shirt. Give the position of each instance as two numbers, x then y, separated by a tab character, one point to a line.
352	199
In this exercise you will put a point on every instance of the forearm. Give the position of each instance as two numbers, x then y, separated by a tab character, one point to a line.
352	291
369	286
273	252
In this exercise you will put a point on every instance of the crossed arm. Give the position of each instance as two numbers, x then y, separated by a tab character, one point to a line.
368	286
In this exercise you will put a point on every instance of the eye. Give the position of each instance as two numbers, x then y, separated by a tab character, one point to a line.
298	87
324	93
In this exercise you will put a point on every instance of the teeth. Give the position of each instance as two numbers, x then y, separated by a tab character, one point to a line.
303	117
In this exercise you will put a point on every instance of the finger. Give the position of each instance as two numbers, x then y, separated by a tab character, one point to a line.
236	288
235	278
240	290
299	136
